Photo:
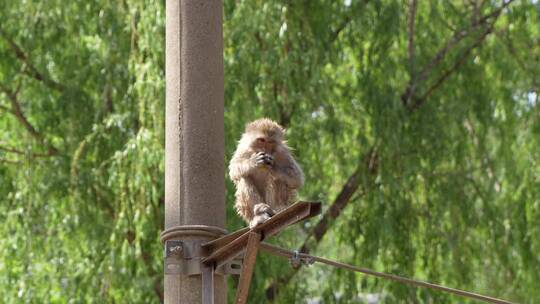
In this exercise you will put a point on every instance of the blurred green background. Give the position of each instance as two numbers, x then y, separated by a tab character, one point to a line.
417	121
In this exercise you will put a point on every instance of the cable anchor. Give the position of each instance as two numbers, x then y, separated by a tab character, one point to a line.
296	260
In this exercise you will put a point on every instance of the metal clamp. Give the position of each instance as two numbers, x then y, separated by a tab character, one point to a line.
296	260
184	257
174	257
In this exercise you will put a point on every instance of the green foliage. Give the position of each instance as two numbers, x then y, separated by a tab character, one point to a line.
81	223
451	195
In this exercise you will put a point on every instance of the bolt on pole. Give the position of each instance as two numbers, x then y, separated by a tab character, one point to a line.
194	144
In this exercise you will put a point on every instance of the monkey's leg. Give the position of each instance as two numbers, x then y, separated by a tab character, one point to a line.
247	196
250	205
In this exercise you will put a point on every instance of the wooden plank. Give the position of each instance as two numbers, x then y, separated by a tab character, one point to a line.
315	209
208	285
224	240
227	252
283	219
228	247
248	267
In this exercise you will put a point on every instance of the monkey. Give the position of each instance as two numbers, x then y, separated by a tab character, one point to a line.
265	174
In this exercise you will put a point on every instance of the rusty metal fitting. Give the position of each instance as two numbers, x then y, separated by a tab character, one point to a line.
183	252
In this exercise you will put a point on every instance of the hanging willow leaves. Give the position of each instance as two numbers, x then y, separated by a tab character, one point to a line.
417	124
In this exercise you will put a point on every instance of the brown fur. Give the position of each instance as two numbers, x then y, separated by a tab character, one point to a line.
263	189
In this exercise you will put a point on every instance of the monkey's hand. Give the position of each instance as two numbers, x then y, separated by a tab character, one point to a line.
264	159
262	213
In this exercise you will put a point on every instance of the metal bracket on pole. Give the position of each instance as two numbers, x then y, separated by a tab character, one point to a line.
208	285
186	255
183	256
178	261
224	250
173	257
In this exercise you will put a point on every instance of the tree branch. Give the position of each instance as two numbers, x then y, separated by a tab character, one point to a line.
339	204
513	51
11	150
158	288
4	108
476	6
452	69
410	47
410	91
335	34
369	164
8	161
20	152
370	159
16	110
348	18
30	69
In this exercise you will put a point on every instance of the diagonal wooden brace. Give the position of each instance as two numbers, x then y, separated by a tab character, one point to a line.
254	239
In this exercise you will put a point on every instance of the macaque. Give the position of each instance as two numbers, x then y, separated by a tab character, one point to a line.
264	172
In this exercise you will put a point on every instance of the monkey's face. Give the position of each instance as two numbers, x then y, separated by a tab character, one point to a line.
265	143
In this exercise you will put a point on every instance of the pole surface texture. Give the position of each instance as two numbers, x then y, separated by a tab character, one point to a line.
194	144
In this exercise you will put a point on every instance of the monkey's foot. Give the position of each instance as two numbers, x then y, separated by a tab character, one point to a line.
258	219
261	208
262	213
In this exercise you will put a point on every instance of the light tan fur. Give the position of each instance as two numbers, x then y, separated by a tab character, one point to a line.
263	188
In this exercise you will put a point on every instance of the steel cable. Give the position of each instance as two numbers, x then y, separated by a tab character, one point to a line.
278	251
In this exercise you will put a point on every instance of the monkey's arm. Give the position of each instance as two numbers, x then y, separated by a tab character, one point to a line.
241	165
239	169
286	169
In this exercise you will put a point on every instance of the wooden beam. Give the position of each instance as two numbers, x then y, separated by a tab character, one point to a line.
224	240
247	270
226	248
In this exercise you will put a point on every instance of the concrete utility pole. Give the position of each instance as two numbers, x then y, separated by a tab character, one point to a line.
194	156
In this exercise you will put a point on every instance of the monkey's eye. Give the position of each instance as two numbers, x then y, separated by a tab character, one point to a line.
261	140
